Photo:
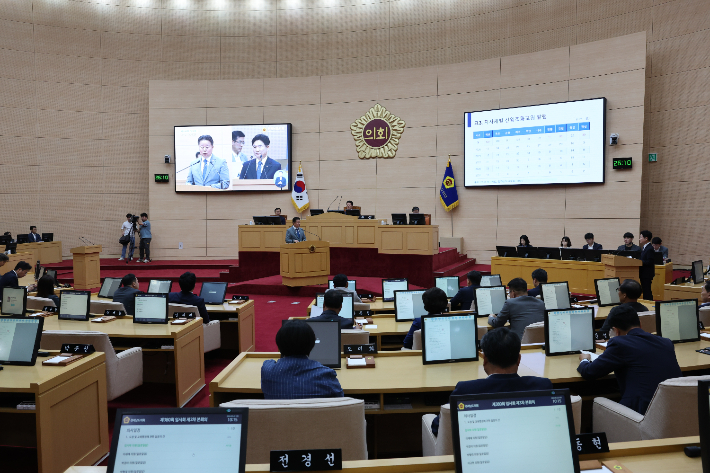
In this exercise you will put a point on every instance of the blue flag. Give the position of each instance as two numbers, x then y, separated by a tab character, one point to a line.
448	195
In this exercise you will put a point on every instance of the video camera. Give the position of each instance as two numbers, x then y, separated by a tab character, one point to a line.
134	218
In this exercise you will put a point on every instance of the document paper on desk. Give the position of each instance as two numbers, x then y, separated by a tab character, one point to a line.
316	311
593	355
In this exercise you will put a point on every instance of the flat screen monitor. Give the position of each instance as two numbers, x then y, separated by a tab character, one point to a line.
159	286
594	255
633	254
538	423
316	211
678	320
559	143
213	292
319	299
262	164
19	340
449	284
607	291
491	280
23	238
658	257
327	348
338	211
53	273
14	301
526	251
697	272
179	440
555	295
547	253
347	311
266	220
391	285
48	237
507	251
408	305
417	219
704	422
572	254
5	239
352	284
108	287
151	309
11	247
399	219
74	305
353	212
449	338
489	300
569	331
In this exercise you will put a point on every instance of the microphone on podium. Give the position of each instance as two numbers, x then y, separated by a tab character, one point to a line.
319	238
331	204
192	164
341	199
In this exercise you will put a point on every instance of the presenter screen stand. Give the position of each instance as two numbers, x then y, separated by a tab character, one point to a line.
305	263
87	267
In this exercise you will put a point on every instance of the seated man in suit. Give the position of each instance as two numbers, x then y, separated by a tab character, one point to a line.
12	278
3	259
501	359
277	212
521	310
332	304
340	283
629	292
349	205
463	300
647	270
185	296
658	248
127	292
295	234
539	276
294	376
705	294
33	236
639	360
628	243
435	302
209	171
261	166
415	210
589	237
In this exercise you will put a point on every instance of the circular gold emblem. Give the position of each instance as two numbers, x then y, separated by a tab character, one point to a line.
312	248
377	133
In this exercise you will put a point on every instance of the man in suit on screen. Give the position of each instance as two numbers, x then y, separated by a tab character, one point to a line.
209	171
261	166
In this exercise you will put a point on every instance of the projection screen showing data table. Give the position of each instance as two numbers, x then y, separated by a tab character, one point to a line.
559	143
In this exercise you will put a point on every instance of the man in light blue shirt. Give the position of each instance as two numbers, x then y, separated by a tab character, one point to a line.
295	233
209	171
237	145
146	237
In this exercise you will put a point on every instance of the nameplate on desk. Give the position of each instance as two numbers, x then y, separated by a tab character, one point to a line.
50	309
366	348
306	460
77	348
591	443
114	313
363	313
600	336
183	315
240	298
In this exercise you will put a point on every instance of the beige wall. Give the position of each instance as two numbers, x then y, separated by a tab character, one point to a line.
74	86
432	101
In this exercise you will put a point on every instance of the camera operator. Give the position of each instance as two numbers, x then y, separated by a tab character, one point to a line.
146	236
128	237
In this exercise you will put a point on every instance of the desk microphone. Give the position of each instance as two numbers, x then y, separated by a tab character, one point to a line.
86	240
331	204
319	238
341	199
196	162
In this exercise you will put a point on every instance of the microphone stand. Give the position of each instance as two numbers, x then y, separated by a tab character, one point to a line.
331	204
319	238
196	162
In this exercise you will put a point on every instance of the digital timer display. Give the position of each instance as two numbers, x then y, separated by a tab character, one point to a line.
162	178
622	163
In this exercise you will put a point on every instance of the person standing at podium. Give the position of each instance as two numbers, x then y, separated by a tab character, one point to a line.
648	269
295	234
33	236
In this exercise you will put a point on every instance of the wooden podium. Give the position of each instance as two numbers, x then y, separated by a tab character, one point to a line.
305	263
621	267
87	266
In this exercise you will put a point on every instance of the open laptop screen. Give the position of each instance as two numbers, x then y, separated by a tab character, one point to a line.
555	295
489	300
491	280
449	338
607	291
151	309
14	301
449	284
19	340
213	292
678	320
408	305
569	331
179	440
391	285
109	286
74	305
158	286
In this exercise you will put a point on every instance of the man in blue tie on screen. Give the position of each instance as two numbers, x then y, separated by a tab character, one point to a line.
209	171
261	166
295	233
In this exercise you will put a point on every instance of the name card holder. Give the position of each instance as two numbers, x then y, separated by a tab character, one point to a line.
183	315
78	348
50	310
240	298
321	459
114	313
591	443
364	349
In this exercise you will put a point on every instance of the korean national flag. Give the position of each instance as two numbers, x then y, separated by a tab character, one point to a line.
299	196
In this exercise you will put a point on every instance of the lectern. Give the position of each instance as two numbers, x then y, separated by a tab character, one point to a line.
87	266
621	267
305	263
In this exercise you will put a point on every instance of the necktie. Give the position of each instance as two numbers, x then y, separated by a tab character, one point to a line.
298	233
204	172
258	171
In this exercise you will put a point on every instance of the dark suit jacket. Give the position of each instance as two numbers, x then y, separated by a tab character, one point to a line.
535	291
9	279
596	246
283	219
624	248
497	383
189	298
648	270
126	296
640	362
267	172
331	315
463	299
34	237
634	305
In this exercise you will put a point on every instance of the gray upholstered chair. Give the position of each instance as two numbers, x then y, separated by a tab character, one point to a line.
39	303
673	412
534	333
124	371
704	314
99	306
417	340
353	337
212	333
361	306
295	424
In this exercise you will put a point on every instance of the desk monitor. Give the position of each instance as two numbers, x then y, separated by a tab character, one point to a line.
417	219
209	439
320	297
151	309
353	212
569	331
678	320
658	258
526	251
19	340
449	284
316	211
267	220
488	300
391	285
593	255
48	237
633	254
11	247
327	348
347	310
491	280
159	286
42	271
408	305
547	253
538	423
108	287
555	295
53	273
704	422
352	284
23	238
5	239
213	292
607	291
697	272
366	217
572	254
507	251
449	338
336	211
74	305
399	219
14	302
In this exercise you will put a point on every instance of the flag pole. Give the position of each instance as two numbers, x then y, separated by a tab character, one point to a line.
451	214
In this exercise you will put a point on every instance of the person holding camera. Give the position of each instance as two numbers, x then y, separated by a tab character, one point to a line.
146	237
128	237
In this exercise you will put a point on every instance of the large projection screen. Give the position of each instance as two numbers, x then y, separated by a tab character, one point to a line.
558	143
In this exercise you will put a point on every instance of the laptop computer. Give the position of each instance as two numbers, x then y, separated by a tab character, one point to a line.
213	292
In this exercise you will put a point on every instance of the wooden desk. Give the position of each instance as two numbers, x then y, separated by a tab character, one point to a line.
379	307
236	325
682	291
66	397
187	355
46	252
